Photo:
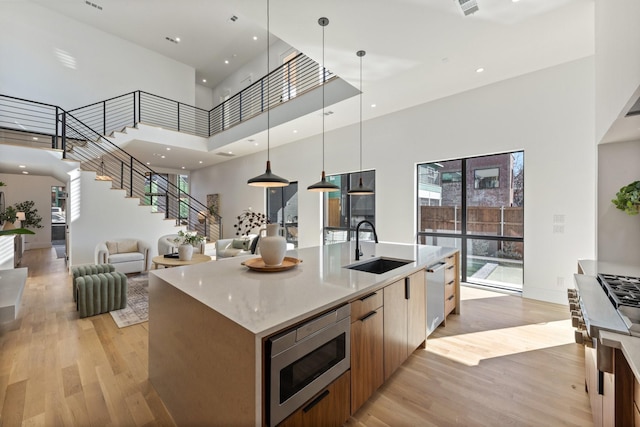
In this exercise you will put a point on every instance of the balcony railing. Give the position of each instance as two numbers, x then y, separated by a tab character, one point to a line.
294	78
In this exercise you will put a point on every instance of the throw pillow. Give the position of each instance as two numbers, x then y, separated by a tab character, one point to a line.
112	247
126	246
240	244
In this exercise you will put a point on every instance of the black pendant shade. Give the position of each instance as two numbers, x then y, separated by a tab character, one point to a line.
323	186
268	179
360	190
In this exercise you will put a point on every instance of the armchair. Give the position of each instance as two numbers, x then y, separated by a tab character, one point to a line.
127	256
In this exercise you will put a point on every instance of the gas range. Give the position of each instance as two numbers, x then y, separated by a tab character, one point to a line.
624	294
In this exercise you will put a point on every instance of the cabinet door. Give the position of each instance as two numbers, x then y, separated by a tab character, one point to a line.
417	311
395	327
329	408
367	369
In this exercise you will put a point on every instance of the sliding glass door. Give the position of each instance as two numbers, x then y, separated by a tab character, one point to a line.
477	205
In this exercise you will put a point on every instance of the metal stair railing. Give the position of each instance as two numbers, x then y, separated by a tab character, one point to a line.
21	119
292	79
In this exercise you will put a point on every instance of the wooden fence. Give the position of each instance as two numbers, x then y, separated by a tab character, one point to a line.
483	220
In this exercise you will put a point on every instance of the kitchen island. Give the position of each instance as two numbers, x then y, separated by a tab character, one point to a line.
208	322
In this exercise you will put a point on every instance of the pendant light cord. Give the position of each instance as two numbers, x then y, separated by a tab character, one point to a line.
361	116
323	82
268	86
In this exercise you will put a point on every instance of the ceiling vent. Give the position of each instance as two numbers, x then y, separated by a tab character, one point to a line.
635	109
468	6
94	5
225	154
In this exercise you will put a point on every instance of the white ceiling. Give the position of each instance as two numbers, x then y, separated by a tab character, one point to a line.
417	50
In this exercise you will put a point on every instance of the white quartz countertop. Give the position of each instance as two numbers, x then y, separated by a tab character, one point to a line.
264	303
592	267
630	346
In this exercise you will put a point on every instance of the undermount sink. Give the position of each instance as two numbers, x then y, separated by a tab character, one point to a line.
379	265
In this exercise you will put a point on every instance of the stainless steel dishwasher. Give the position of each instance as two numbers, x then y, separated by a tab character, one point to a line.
435	295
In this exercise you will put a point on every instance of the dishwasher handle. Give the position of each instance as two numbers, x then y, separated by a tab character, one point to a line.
436	267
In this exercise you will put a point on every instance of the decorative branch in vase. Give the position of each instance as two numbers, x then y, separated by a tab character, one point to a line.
248	221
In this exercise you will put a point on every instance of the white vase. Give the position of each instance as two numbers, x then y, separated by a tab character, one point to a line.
185	252
272	246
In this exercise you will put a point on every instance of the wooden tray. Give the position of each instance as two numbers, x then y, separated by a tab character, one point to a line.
257	264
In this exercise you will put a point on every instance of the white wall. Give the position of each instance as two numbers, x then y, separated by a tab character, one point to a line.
549	114
257	68
105	66
204	97
618	233
20	188
96	213
617	59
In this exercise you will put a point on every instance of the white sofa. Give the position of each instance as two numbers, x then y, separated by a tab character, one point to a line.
226	248
166	245
126	255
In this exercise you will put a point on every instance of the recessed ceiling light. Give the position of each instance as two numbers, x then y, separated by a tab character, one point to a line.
373	105
255	143
178	39
21	166
183	167
200	162
35	138
148	163
479	70
230	152
163	156
168	148
255	37
204	80
226	61
515	1
295	131
25	172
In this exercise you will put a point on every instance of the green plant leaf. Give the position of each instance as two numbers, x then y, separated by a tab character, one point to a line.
15	231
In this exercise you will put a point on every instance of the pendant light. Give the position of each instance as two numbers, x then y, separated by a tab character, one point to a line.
268	179
323	186
360	190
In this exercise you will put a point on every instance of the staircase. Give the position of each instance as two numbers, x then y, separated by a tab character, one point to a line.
22	122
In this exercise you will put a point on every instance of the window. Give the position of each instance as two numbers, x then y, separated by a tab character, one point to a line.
486	178
282	208
487	226
451	176
342	212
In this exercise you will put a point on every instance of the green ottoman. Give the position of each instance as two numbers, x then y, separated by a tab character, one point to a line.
84	270
100	293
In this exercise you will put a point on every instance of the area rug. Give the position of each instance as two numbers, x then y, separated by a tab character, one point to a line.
137	310
60	251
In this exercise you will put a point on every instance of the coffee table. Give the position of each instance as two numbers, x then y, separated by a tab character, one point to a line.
175	262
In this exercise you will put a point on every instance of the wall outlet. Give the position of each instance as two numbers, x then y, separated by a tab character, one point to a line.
558	229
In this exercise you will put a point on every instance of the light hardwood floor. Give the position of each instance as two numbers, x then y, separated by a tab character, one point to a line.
505	361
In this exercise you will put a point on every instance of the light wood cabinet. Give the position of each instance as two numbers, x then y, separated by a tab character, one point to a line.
404	320
451	286
329	408
367	369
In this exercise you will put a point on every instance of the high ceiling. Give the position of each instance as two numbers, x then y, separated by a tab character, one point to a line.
417	50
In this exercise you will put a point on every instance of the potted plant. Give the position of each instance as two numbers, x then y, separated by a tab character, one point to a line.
9	216
628	198
187	241
31	217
